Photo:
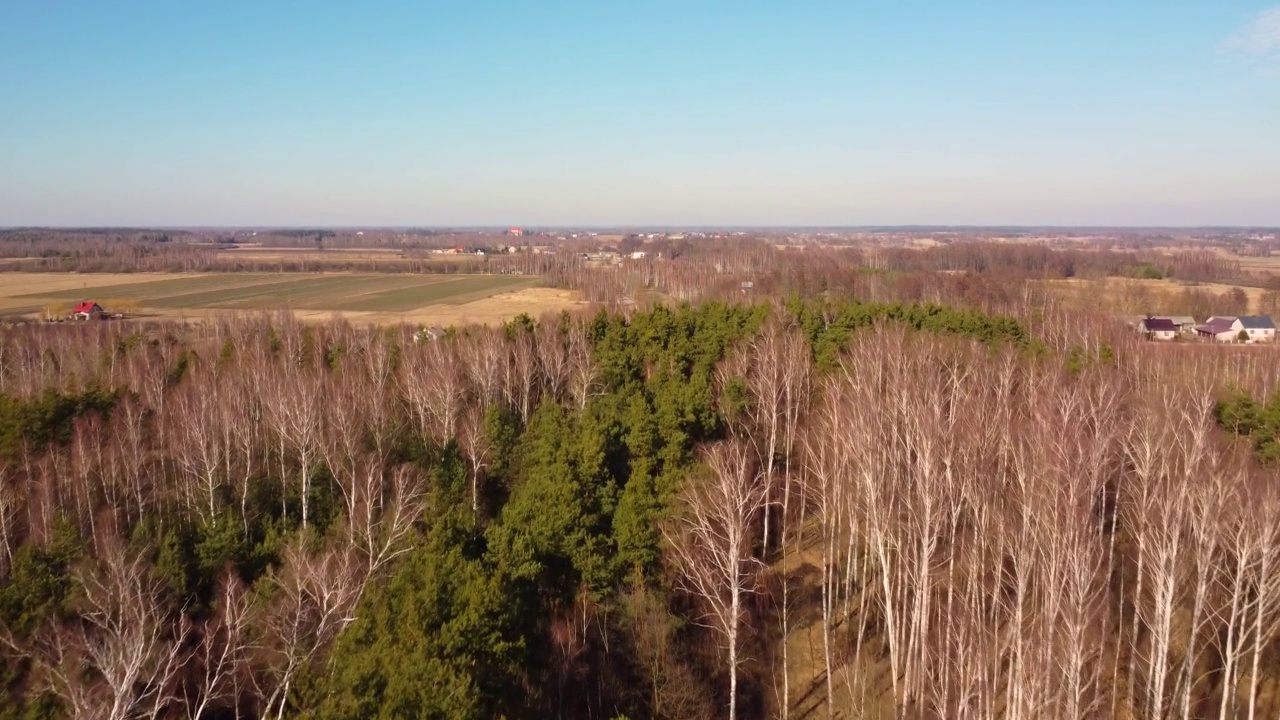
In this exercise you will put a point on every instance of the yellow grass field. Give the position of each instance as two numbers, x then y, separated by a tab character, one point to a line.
1133	296
359	297
493	310
338	256
1253	263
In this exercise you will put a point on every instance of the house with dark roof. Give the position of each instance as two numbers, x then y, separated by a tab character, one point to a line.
1256	328
1217	328
1159	328
1186	324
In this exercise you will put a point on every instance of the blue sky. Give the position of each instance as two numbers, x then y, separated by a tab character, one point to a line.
1129	112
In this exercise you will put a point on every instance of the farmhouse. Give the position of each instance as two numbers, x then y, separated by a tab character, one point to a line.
1258	328
1216	328
88	310
1255	328
1159	328
1186	324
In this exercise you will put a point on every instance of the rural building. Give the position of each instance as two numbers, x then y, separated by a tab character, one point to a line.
434	332
88	310
514	231
1217	328
1186	324
1159	328
1258	328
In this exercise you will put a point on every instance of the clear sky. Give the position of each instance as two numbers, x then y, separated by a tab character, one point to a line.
608	112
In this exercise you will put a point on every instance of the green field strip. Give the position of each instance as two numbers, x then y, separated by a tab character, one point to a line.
14	312
356	290
409	288
260	296
459	291
201	299
424	293
143	291
316	293
480	293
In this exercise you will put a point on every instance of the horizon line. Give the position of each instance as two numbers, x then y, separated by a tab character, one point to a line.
644	227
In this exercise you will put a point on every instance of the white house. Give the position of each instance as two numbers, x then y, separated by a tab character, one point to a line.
1258	328
1159	328
1186	324
1217	328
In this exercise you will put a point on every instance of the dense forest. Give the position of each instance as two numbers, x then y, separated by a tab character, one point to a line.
795	509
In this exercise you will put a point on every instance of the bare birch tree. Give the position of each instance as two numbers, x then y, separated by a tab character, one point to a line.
712	543
221	655
314	598
124	634
296	412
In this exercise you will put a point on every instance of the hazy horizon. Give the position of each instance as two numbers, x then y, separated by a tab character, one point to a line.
655	228
585	115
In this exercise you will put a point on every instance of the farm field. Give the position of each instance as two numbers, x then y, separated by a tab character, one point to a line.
16	289
365	297
1256	263
338	256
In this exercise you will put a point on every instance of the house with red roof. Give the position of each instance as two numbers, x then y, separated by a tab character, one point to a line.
88	310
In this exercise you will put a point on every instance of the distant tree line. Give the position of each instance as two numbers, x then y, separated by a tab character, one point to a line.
684	269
